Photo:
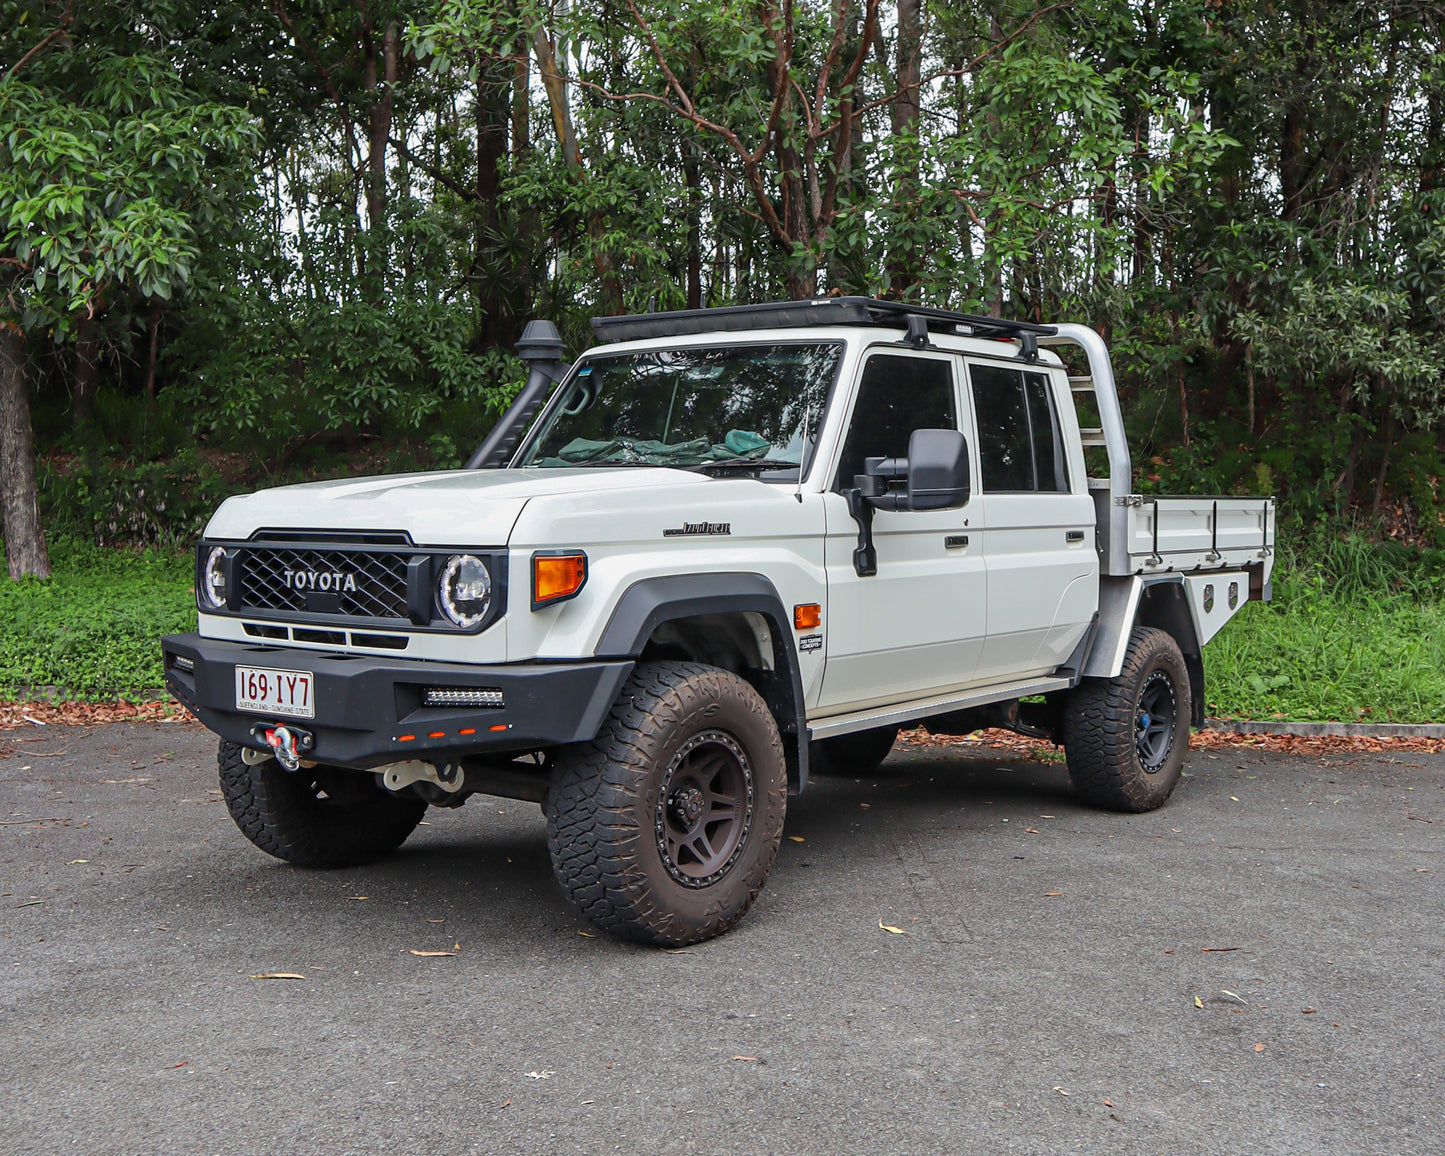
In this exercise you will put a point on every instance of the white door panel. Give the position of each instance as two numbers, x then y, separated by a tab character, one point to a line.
918	624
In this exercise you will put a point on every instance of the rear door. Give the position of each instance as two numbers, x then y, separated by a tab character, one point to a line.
1042	567
917	626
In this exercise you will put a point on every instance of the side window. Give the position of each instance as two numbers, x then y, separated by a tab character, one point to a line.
1020	443
897	395
1049	467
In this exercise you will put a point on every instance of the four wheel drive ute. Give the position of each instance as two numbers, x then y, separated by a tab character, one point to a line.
722	552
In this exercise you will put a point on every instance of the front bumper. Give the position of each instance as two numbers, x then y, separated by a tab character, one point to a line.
369	710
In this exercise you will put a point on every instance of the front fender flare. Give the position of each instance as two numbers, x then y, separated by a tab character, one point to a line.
649	602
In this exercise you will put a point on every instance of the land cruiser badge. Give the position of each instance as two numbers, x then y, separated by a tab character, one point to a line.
692	529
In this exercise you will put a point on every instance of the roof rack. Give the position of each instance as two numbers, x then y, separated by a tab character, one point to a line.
813	311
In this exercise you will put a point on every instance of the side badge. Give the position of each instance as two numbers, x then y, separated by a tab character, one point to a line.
810	642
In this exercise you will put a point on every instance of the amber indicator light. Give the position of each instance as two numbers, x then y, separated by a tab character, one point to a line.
557	576
405	738
807	616
499	727
467	731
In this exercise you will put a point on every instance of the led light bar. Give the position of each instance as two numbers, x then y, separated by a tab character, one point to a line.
480	696
181	662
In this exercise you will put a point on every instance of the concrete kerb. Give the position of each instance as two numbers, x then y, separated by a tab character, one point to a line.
1313	730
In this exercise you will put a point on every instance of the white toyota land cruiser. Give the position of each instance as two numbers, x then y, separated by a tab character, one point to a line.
734	544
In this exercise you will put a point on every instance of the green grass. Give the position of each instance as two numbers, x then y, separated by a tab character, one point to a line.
95	627
1355	632
1326	650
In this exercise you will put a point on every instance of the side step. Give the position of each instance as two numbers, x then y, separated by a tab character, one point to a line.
903	713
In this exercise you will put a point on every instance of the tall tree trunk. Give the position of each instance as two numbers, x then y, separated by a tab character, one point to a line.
494	91
903	269
19	498
555	85
155	348
692	180
87	366
379	127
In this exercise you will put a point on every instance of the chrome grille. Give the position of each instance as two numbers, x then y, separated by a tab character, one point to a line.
379	581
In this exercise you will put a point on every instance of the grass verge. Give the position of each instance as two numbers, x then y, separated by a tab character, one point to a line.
1353	634
95	627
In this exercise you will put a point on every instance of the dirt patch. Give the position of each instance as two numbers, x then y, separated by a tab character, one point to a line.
18	715
1006	744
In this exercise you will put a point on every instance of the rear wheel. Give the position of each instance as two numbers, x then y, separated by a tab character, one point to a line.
317	817
1125	738
860	753
664	828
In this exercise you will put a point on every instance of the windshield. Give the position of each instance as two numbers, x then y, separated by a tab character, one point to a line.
741	408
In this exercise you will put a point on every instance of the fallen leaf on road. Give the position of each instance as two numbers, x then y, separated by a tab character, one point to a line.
1234	995
1219	949
1031	830
182	1064
890	927
1054	894
864	805
747	1059
1235	798
358	898
505	1103
1060	1090
429	954
586	935
1307	1011
279	975
796	838
1198	1002
1259	1047
436	920
545	1074
677	951
1108	1103
73	862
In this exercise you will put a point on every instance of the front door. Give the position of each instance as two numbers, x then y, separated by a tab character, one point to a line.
917	626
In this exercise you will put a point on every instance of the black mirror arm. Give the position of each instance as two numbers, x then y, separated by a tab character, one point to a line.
865	557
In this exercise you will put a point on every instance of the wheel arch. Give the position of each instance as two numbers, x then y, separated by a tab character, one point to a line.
729	620
1159	601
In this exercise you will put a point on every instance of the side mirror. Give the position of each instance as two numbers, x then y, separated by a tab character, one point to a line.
935	474
937	470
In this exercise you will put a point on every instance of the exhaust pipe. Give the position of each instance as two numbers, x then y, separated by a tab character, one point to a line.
541	348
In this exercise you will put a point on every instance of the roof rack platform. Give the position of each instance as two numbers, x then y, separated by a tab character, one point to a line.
810	312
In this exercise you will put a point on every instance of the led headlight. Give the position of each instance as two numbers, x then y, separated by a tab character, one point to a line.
465	590
213	579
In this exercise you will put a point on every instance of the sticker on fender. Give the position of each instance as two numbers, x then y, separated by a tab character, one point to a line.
280	692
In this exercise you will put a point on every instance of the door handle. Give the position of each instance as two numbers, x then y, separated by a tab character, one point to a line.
955	541
1075	535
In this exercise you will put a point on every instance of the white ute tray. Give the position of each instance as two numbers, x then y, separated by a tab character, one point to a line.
1186	533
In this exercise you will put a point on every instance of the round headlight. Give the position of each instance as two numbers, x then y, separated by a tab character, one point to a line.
213	579
465	590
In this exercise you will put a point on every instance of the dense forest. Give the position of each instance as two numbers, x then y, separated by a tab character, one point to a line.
248	242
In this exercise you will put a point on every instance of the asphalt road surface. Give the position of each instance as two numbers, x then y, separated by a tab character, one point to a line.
1255	968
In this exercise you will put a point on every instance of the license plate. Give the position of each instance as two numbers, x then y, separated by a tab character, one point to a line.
283	692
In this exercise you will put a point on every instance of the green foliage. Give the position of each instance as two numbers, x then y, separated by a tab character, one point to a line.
94	628
107	174
1356	632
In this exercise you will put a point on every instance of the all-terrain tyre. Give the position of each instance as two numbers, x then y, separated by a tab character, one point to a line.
1125	738
860	753
663	829
321	817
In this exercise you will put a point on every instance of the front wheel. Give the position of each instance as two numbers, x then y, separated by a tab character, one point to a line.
1125	738
663	829
315	817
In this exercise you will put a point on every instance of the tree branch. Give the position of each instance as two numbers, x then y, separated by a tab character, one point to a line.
58	30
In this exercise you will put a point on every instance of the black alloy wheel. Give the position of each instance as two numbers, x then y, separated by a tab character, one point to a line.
1155	720
704	809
